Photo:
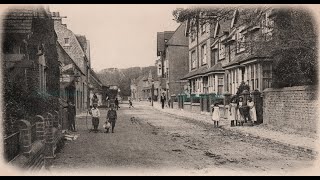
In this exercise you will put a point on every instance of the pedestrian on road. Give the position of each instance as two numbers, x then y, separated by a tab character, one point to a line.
95	113
116	102
215	115
130	103
95	99
71	116
233	112
253	113
112	117
163	100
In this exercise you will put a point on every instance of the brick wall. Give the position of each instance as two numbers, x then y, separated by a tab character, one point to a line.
291	107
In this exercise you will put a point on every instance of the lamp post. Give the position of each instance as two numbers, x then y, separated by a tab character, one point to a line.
152	93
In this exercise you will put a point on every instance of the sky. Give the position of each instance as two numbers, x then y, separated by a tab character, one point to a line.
120	36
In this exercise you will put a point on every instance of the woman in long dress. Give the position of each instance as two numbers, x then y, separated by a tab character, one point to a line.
233	112
216	115
253	113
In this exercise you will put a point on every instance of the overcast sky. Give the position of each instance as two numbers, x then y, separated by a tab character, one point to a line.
120	36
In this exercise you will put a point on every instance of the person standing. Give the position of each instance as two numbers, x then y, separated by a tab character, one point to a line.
130	103
95	99
112	117
215	115
95	113
71	116
233	112
116	102
163	100
253	113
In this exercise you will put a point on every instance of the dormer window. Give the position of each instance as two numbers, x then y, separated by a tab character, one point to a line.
66	42
240	40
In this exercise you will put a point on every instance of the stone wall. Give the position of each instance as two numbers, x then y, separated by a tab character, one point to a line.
291	107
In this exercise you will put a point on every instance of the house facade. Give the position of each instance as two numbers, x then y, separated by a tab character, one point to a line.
226	52
76	73
176	61
161	63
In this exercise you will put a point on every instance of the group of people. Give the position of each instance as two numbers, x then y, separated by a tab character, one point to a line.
110	118
238	113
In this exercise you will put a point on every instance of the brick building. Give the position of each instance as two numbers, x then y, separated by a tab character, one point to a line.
31	76
176	61
162	67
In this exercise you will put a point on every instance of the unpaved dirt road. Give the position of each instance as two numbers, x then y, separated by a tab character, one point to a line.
155	143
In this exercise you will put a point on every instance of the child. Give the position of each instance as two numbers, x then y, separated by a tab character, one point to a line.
216	115
233	112
95	113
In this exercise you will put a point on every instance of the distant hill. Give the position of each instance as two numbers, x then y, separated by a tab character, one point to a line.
123	77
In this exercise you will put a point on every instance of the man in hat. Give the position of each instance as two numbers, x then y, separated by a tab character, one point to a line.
112	117
95	113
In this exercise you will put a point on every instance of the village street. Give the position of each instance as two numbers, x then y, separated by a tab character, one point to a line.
156	142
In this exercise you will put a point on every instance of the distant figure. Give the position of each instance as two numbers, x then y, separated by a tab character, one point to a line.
116	102
108	102
112	117
216	115
130	103
163	100
95	99
95	113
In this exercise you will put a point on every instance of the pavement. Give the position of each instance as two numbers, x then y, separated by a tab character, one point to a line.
293	140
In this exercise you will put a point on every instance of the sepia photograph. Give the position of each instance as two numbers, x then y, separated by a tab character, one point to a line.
153	90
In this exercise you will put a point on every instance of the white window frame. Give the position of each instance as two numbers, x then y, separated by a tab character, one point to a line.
240	41
204	54
193	60
222	51
67	41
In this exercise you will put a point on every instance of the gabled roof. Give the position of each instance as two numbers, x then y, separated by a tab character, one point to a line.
202	70
216	68
178	38
161	37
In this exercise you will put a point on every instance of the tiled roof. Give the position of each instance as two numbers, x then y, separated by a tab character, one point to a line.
202	70
216	68
19	20
161	36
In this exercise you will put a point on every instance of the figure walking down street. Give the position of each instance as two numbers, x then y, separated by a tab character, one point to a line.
163	100
130	103
116	102
215	115
71	116
95	113
233	112
112	117
253	113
